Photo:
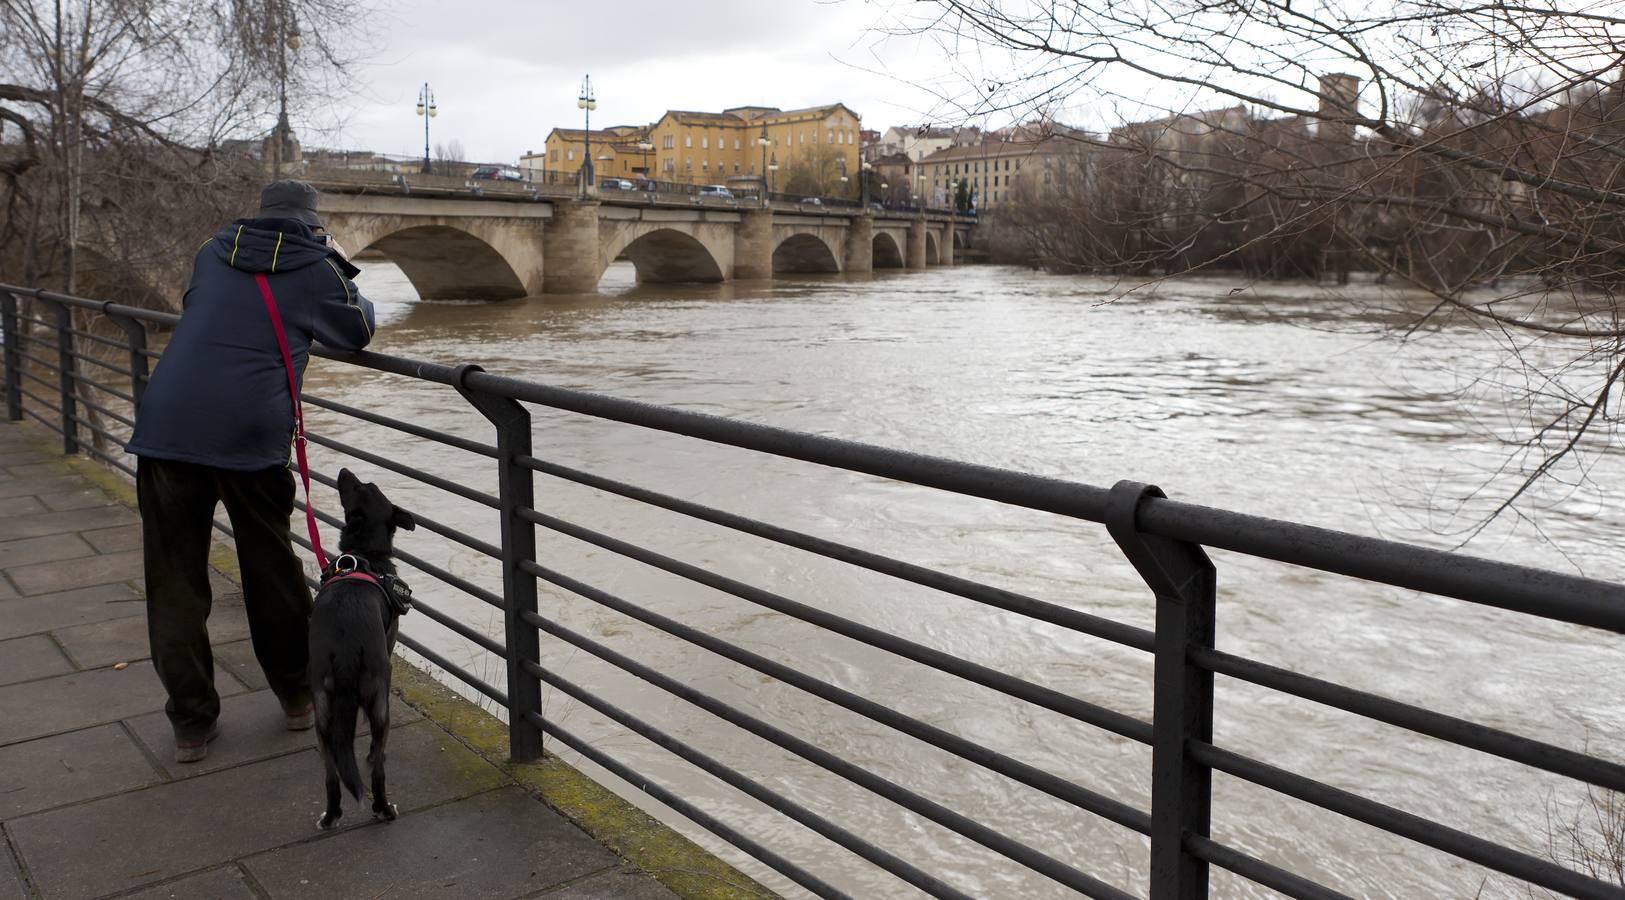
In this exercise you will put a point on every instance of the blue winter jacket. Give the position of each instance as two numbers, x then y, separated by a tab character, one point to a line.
219	396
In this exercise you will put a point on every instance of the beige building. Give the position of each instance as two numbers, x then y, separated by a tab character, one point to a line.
993	167
616	152
706	147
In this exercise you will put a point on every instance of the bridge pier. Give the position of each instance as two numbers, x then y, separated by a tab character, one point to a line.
573	265
945	245
753	244
859	250
914	255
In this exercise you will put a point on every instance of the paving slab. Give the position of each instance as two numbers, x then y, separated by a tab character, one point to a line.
21	505
53	577
31	464
49	548
125	640
251	729
111	540
497	845
238	659
625	883
16	527
44	612
68	702
6	590
27	658
225	883
17	487
84	498
67	768
11	880
172	829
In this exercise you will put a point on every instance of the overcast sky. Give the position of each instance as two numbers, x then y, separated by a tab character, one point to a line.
505	72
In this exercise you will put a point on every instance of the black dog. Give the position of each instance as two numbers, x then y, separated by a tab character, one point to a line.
352	634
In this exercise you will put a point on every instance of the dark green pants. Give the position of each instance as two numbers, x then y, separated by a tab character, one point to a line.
177	508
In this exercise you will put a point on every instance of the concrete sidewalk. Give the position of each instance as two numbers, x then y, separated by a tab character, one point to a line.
92	805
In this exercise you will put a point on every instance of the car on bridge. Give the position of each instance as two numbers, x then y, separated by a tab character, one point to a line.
497	173
616	184
716	192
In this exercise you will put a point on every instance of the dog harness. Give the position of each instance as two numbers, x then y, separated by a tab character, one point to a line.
351	567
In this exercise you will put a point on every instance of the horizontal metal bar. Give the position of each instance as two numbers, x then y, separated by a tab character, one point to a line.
1532	869
39	362
111	414
98	430
127	398
449	440
413	560
53	385
465	631
1138	638
42	420
452	668
40	400
122	345
1258	871
446	531
403	469
1105	807
115	463
795	811
1549	595
930	809
1436	725
22	318
47	344
1082	710
105	365
690	811
150	354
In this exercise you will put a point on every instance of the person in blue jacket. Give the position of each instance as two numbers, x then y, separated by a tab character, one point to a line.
215	424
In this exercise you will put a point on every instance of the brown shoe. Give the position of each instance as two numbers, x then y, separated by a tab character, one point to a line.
191	751
301	719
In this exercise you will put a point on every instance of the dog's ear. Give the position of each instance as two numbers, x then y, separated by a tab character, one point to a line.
404	521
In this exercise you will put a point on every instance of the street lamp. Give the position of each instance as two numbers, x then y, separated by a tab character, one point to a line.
428	110
773	170
587	103
763	141
646	145
920	196
863	181
840	163
885	194
289	32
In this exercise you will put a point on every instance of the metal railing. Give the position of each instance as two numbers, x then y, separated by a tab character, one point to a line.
1163	538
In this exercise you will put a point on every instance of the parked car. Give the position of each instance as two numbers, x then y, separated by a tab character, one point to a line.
812	201
615	184
497	173
716	191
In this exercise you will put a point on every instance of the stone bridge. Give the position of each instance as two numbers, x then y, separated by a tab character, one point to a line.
489	248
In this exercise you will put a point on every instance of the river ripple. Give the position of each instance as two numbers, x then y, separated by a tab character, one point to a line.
1266	400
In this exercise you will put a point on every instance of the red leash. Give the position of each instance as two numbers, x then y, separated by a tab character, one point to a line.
298	417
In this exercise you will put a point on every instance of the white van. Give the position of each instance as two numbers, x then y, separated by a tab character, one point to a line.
716	191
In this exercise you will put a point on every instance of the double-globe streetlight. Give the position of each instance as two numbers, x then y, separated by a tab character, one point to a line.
763	141
428	110
587	103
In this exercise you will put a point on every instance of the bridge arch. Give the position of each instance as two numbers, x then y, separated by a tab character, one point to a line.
887	253
932	257
449	257
804	253
959	241
664	255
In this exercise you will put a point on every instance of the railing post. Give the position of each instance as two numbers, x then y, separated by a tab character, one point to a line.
13	362
137	333
67	375
516	491
1182	578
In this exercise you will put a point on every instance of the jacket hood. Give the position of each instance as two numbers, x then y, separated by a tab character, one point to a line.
274	245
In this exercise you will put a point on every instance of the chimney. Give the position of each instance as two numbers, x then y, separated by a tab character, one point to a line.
1338	96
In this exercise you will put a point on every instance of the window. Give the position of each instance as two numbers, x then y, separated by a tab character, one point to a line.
569	155
804	137
705	142
829	135
705	165
1046	178
736	168
688	140
736	143
555	154
668	141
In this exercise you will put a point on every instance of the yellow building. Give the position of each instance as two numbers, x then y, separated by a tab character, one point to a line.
616	153
711	148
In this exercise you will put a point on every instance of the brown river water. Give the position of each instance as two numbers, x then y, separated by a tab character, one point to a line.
1266	400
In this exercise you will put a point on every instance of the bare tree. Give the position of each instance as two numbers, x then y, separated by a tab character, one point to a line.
1473	150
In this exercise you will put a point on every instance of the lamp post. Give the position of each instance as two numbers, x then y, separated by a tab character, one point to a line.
288	35
763	141
773	171
863	182
646	145
885	194
587	104
920	195
428	110
840	163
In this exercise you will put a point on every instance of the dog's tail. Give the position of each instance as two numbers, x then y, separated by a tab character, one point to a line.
337	731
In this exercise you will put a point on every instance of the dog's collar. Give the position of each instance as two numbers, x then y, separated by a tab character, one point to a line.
350	566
